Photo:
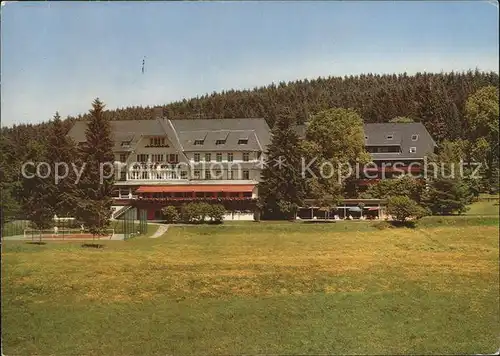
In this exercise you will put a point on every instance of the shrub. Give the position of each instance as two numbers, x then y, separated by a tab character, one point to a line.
171	214
216	213
198	212
382	225
188	213
402	208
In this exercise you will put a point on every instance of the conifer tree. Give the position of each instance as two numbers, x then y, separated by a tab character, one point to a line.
282	189
94	191
9	184
35	187
61	149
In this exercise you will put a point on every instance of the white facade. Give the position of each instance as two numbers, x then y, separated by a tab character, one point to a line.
150	163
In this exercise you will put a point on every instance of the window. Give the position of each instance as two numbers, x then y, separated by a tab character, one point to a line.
142	158
144	175
173	158
125	143
157	142
246	175
413	149
208	174
218	174
196	157
230	157
220	142
197	174
198	142
414	137
156	158
208	157
123	157
242	141
184	174
230	175
389	137
246	156
123	175
218	157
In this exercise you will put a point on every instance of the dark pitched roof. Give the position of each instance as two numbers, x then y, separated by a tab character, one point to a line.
182	133
377	134
255	130
123	130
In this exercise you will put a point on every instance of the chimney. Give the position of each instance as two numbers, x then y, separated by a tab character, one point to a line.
158	112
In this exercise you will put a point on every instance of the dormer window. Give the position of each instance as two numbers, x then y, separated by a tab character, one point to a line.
413	149
125	144
198	142
414	137
389	137
243	141
220	142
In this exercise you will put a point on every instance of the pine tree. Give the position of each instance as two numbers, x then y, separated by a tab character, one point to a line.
94	191
447	196
60	149
9	184
282	189
35	188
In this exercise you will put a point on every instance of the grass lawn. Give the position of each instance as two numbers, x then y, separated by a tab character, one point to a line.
273	288
483	208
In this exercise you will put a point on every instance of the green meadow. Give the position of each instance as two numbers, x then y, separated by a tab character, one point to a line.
259	288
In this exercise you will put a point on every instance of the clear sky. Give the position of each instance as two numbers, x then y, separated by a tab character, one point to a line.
59	56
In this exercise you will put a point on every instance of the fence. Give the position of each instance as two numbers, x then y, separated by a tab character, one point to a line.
129	226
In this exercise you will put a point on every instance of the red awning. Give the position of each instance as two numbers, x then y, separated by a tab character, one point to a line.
373	208
196	188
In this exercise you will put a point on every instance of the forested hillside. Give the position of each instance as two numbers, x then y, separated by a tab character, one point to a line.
437	100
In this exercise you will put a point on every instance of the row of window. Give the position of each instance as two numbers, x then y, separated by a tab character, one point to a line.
389	137
174	158
155	175
197	174
171	158
197	195
241	141
218	157
157	142
388	149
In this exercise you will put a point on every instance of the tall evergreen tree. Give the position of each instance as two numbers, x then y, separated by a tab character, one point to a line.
282	189
9	182
61	150
35	187
94	191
